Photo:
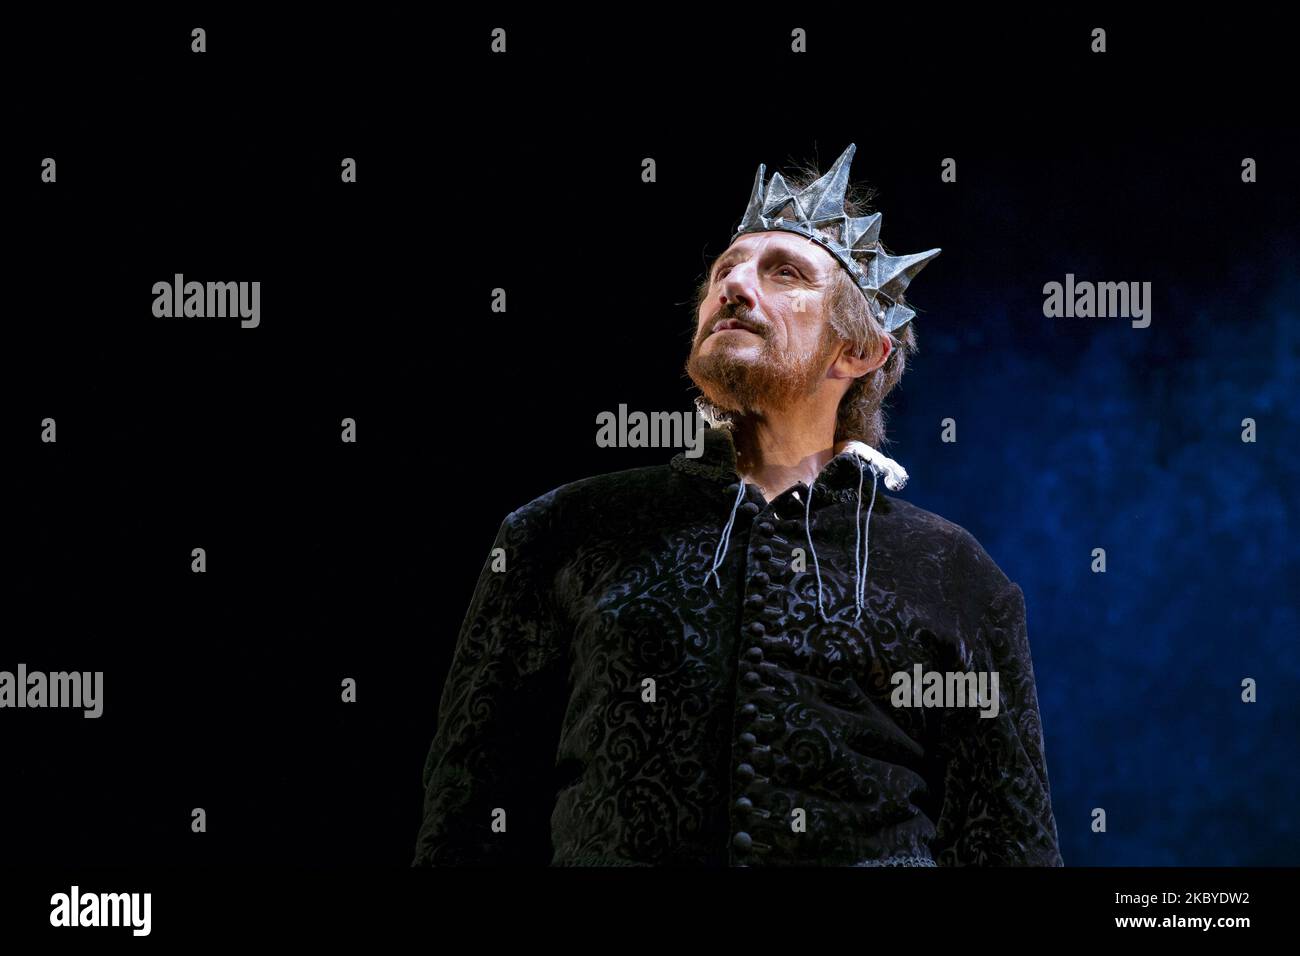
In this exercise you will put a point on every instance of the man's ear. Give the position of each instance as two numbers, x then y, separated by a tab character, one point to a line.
848	364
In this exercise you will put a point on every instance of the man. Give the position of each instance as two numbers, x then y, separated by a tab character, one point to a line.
753	657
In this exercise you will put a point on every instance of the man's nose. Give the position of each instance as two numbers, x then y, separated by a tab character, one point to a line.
740	285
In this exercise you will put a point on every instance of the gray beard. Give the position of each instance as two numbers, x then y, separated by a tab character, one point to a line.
774	381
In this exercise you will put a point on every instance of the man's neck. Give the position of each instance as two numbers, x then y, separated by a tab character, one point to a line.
777	452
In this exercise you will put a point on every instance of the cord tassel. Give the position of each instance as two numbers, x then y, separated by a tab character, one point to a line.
725	541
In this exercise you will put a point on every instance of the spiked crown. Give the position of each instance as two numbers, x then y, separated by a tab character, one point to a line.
817	212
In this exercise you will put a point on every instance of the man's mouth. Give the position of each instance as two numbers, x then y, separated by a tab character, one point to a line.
726	324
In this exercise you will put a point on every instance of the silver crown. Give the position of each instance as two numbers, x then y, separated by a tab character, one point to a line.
817	212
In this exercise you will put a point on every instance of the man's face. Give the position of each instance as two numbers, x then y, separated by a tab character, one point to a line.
762	338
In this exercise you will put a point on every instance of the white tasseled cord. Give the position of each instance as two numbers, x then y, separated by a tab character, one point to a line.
817	568
725	540
860	564
895	478
895	474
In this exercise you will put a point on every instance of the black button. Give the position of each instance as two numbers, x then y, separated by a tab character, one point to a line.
749	508
749	711
754	653
742	841
766	527
755	600
733	489
748	740
756	628
762	552
745	772
744	804
760	580
752	679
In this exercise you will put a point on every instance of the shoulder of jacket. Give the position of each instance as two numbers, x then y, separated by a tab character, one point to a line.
571	498
964	557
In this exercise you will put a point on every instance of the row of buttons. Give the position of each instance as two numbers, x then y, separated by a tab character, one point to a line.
751	678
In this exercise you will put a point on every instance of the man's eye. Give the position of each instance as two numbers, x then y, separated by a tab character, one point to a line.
789	270
722	272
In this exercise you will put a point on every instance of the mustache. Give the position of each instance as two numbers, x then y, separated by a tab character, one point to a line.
740	314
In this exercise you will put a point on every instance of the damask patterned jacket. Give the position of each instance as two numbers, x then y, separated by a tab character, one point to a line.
612	702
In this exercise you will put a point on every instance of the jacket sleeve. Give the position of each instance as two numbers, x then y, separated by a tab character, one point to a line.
498	721
997	806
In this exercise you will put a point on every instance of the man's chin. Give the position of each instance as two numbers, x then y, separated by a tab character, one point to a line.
736	345
734	335
724	385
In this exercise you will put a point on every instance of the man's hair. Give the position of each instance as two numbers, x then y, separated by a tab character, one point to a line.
855	321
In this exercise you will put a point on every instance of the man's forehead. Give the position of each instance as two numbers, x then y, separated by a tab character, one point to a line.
752	243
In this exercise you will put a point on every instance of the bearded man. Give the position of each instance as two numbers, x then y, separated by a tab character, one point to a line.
754	657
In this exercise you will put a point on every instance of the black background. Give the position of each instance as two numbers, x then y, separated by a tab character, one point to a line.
327	560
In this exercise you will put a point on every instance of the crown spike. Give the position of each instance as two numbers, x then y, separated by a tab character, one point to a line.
893	274
825	198
896	316
863	233
754	210
778	196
